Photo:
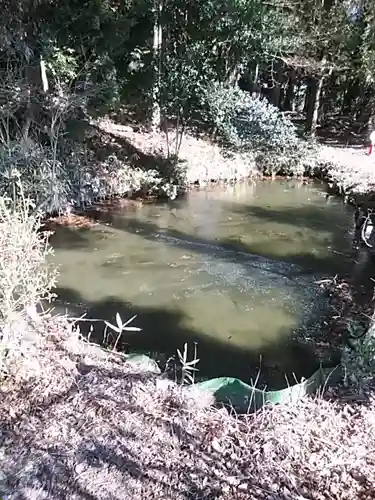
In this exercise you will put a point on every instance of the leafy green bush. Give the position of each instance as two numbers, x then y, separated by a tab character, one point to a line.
248	124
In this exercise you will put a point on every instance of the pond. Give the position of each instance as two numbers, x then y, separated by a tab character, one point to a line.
232	269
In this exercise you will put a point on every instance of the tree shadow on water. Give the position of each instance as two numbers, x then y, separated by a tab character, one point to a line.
306	216
71	239
163	332
266	245
236	248
310	228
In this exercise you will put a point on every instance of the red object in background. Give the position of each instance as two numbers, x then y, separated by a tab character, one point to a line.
372	140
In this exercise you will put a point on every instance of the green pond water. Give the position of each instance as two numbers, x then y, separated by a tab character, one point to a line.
232	269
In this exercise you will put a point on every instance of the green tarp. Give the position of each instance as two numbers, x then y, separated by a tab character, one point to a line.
246	398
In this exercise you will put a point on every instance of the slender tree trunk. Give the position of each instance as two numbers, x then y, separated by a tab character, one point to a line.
43	75
313	122
349	97
275	95
289	101
233	76
157	46
36	77
256	74
308	94
314	104
310	105
329	97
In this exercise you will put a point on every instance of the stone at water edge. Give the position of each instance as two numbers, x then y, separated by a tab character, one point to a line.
144	362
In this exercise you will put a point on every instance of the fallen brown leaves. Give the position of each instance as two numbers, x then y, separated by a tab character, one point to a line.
95	427
71	220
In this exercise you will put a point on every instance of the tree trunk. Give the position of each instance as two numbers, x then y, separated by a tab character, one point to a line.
313	111
349	97
43	75
289	102
314	104
37	82
256	74
308	95
233	76
330	97
275	95
157	46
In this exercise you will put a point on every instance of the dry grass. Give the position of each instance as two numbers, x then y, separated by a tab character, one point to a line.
24	280
96	427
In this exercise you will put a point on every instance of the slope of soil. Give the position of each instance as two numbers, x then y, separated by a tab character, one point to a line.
203	160
348	168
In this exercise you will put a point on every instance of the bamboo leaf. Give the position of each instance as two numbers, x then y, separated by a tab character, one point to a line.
130	320
113	327
119	320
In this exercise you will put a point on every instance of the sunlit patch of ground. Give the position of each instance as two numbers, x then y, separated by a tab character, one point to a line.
204	160
350	169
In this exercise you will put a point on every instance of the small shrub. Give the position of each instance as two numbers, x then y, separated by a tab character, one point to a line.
359	360
25	278
41	174
245	124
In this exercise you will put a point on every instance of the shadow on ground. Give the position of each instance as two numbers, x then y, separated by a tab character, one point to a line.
112	143
117	436
342	131
109	441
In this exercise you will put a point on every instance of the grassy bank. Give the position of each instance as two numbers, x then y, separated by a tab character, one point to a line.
115	160
349	171
136	162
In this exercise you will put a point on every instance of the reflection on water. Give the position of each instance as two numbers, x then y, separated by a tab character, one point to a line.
233	269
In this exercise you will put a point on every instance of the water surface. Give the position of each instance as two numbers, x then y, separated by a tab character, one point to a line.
233	269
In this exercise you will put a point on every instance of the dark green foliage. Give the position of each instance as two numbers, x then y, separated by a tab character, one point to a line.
248	124
99	58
